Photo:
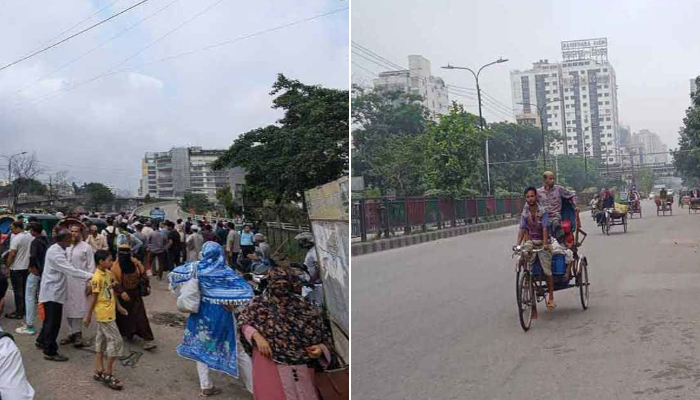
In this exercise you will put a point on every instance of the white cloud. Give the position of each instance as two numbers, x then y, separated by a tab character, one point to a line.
205	99
140	81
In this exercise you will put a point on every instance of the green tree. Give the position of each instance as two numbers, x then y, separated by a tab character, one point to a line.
308	148
572	173
148	199
687	157
96	194
644	179
387	141
453	160
196	203
512	149
225	198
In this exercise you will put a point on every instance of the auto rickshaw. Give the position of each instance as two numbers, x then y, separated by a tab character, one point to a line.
47	221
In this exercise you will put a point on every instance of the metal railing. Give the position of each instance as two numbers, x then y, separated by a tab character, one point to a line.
374	218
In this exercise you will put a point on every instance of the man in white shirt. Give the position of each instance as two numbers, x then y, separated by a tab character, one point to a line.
54	293
82	257
13	380
18	263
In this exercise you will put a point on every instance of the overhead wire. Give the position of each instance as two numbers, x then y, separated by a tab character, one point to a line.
495	107
77	24
183	54
35	53
122	32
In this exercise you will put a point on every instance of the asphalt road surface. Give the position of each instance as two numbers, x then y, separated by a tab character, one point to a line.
439	320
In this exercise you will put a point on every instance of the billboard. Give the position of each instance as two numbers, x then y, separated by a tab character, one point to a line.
329	215
586	49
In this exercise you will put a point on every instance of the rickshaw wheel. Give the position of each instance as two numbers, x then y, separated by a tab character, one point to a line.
607	226
525	295
583	280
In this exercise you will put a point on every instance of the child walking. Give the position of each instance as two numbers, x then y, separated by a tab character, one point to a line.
104	304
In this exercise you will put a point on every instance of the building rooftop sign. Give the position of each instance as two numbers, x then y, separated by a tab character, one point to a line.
586	49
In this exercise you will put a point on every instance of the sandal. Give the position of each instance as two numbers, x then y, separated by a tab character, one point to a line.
210	392
99	376
550	305
67	340
112	382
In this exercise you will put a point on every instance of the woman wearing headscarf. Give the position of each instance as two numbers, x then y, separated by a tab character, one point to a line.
284	334
210	334
132	284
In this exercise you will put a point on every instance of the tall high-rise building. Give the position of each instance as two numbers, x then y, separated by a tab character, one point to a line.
417	79
654	150
577	99
181	170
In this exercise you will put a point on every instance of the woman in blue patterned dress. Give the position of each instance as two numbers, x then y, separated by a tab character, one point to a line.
210	335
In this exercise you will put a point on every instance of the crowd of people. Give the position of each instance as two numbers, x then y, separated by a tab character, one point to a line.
272	340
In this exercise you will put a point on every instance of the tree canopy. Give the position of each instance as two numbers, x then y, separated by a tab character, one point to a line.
196	203
307	148
97	194
687	157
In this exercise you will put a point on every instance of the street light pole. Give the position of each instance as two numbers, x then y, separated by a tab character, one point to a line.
541	110
481	118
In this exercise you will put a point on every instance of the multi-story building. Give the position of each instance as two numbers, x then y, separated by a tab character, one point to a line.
653	149
181	170
576	99
417	79
693	87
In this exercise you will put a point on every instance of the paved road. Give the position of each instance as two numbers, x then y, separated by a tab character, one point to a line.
172	210
439	320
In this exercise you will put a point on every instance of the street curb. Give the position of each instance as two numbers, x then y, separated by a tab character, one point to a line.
358	249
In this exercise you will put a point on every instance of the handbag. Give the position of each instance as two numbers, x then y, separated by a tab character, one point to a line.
144	288
334	384
190	297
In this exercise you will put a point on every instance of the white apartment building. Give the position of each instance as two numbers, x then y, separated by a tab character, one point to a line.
419	81
173	173
654	150
577	99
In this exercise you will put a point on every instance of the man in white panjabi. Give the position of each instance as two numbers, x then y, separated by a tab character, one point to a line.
81	256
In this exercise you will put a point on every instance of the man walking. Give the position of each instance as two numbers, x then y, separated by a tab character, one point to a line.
54	293
82	257
157	241
233	245
37	256
18	264
174	245
97	240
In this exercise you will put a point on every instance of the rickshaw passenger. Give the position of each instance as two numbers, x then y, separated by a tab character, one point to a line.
551	197
533	231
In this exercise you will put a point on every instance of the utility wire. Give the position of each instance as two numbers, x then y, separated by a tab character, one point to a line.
70	37
239	39
97	47
76	25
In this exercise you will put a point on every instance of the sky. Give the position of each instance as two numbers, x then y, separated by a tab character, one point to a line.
652	45
99	129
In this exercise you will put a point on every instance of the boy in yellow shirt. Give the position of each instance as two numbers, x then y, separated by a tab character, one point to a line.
105	305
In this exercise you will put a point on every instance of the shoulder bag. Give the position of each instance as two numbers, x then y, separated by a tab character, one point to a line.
190	297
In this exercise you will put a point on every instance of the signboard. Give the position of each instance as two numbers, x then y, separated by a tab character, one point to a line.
357	183
329	215
587	49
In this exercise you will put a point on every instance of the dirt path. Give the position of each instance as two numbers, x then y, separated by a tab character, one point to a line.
158	374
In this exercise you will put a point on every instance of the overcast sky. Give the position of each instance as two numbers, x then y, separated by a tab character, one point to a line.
99	131
654	46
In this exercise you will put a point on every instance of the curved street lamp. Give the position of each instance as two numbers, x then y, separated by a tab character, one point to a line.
481	118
